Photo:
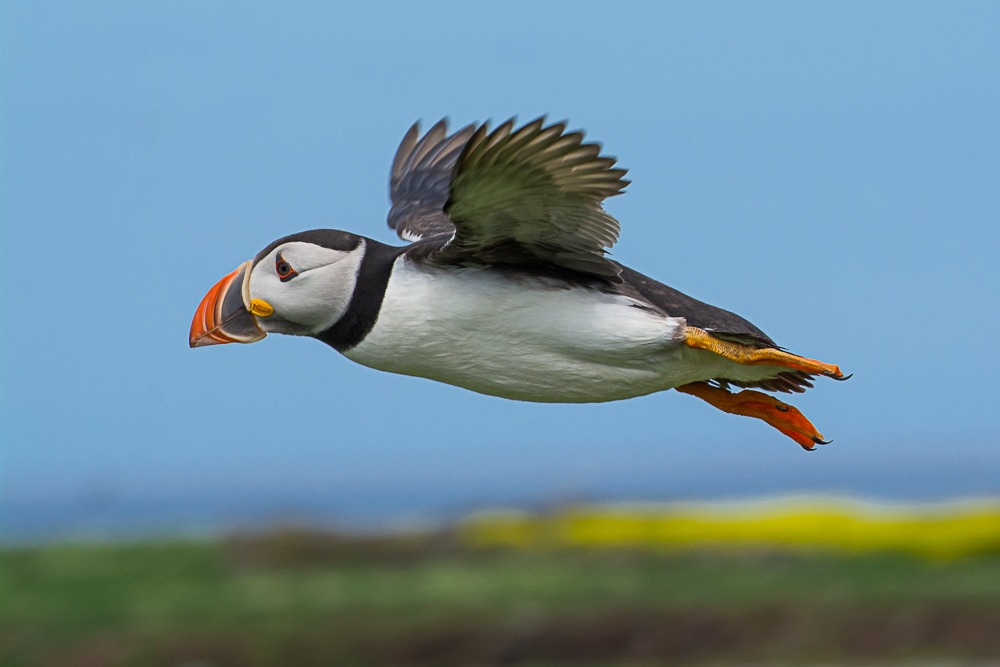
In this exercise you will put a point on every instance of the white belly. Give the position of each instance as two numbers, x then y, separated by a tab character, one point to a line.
526	339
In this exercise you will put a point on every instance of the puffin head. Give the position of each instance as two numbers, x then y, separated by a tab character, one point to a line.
299	285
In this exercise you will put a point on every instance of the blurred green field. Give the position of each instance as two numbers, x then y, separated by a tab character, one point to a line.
302	598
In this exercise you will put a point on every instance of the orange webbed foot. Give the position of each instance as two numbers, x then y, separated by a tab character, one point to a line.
749	403
748	355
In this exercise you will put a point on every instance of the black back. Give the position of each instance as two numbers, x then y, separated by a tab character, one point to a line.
698	314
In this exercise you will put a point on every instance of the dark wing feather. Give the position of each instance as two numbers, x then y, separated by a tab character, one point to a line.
533	196
420	179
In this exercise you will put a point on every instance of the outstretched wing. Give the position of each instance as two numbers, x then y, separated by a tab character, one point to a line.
532	196
420	180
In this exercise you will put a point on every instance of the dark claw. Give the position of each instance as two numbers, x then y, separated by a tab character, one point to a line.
840	378
820	441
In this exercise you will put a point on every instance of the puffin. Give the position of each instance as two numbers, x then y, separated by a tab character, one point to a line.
506	288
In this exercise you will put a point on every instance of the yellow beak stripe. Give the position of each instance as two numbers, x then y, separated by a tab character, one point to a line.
261	308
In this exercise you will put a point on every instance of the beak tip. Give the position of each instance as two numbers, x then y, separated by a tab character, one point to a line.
195	341
206	340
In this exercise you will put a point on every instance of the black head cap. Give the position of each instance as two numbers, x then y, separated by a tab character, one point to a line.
326	238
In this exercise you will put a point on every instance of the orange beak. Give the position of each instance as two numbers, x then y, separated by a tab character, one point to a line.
222	316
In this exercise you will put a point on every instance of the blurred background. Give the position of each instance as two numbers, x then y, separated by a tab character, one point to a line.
831	171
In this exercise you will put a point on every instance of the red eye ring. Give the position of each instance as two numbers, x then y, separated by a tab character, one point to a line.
284	269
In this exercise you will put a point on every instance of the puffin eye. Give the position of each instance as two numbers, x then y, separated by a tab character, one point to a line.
284	269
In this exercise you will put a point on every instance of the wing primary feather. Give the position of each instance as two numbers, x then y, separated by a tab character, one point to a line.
419	180
403	152
491	140
470	147
432	156
429	141
522	139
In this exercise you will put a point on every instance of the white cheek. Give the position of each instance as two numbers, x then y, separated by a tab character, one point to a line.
314	299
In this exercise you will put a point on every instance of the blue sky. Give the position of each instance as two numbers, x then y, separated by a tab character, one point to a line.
829	171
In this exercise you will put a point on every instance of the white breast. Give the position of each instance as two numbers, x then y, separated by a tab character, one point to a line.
524	339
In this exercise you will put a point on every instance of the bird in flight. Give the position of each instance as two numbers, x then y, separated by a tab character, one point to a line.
506	288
